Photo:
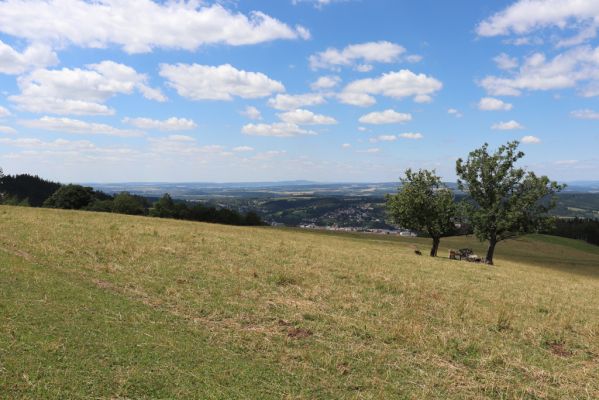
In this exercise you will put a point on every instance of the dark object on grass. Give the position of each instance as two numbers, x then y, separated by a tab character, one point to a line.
418	252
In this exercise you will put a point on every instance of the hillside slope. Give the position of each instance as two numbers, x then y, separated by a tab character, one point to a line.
108	306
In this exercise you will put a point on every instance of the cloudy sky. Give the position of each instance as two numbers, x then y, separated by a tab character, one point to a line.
326	90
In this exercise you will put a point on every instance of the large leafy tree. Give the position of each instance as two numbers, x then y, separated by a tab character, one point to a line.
505	201
424	204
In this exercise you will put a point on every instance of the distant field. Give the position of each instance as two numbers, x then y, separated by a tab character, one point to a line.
107	306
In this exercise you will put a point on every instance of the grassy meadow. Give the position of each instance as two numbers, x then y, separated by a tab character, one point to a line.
106	306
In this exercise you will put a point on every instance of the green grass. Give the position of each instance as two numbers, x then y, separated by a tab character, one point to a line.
108	306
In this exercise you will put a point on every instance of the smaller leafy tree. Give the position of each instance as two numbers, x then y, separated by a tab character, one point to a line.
71	197
504	201
424	204
125	203
164	207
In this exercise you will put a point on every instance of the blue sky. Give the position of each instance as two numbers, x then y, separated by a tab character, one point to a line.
354	90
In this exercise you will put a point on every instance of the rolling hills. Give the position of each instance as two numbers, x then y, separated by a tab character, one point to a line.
108	306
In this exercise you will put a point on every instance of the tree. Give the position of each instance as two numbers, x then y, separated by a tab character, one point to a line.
505	201
424	204
24	186
125	203
71	197
164	207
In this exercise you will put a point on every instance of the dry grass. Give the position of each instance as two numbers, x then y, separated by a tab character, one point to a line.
110	306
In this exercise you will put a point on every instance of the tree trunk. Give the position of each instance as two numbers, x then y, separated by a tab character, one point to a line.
435	247
490	251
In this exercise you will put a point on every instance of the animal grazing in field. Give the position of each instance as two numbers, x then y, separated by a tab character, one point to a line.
418	252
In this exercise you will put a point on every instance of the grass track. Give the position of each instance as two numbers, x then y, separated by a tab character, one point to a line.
108	306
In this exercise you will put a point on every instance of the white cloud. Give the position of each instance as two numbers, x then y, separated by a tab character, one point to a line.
205	82
372	150
371	52
80	91
346	146
383	138
78	127
507	125
566	162
356	99
138	26
317	3
397	85
325	82
243	149
455	112
278	129
364	67
414	58
8	130
585	114
411	135
506	62
252	112
566	70
385	117
35	56
170	124
530	140
4	112
492	104
286	102
305	117
526	16
268	155
183	146
75	151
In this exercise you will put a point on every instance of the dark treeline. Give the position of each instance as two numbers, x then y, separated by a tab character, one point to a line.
28	190
577	228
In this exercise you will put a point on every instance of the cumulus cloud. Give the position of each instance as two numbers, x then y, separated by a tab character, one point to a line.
493	104
506	62
8	130
149	24
286	102
383	138
4	112
372	150
184	146
305	117
455	112
346	146
385	117
80	91
526	16
396	85
530	140
77	150
205	82
411	135
34	56
277	129
566	70
170	124
78	127
585	114
243	149
362	54
252	112
507	125
325	82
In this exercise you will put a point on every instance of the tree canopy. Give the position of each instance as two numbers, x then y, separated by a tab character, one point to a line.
504	201
424	204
